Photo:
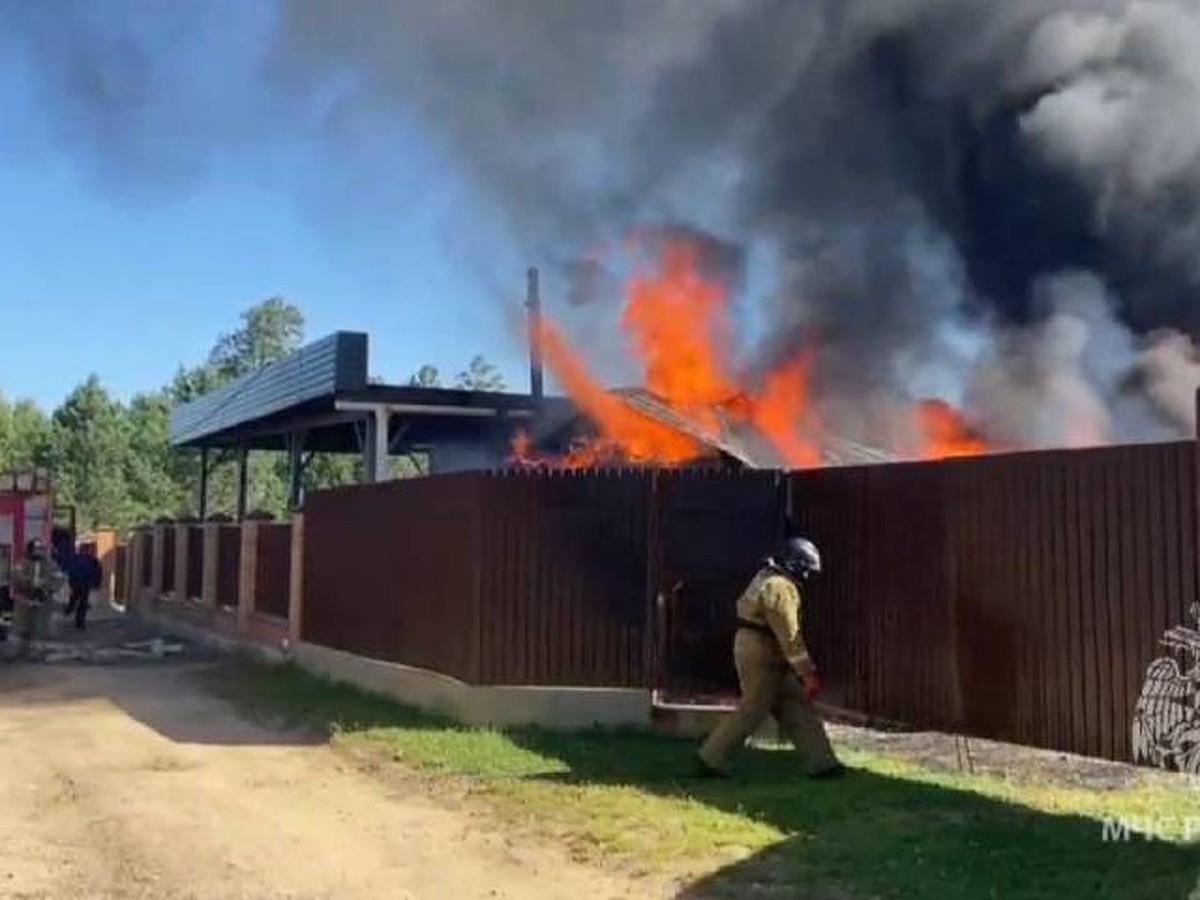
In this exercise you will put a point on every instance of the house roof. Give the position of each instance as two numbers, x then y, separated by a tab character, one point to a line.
745	443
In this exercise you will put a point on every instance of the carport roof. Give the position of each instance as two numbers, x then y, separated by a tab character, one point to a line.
324	390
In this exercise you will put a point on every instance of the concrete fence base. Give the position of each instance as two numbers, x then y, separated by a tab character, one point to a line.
564	708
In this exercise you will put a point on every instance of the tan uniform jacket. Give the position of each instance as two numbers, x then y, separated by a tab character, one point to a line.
772	599
29	576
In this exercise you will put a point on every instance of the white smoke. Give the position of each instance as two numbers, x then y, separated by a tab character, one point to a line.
1032	389
1170	371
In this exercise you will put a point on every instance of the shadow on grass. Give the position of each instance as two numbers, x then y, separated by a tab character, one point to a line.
876	835
865	835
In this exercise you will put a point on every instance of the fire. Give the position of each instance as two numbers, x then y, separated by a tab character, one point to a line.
780	413
945	433
626	432
677	325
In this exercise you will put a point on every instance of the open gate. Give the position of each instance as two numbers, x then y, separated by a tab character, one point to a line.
711	531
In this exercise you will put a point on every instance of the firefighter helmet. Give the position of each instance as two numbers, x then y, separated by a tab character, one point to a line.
798	556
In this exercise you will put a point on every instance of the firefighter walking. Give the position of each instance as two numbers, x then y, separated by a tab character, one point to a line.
776	675
36	581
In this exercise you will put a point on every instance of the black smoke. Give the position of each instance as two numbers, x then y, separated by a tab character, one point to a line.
1025	172
1038	137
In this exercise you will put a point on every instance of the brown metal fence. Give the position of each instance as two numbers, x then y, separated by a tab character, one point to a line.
1069	568
879	619
146	546
564	589
393	571
712	530
273	570
195	562
229	565
169	585
121	574
1019	597
490	578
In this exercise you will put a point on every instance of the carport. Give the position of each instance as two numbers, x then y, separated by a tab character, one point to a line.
321	400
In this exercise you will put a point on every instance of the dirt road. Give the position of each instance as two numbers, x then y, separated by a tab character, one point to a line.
126	783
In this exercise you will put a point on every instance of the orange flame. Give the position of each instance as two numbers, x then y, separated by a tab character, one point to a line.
626	432
677	325
945	432
676	322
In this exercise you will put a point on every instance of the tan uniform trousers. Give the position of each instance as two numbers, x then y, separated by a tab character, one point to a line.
769	688
30	623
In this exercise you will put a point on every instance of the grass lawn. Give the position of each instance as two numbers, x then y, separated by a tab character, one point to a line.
889	829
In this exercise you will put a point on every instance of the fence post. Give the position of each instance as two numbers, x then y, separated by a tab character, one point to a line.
106	543
212	550
296	579
247	572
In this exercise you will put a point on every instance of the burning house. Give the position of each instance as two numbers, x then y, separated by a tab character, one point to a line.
578	441
990	203
694	405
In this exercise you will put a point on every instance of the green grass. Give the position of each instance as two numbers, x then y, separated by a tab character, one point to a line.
889	829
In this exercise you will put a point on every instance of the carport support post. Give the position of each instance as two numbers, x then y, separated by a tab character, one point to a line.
383	418
202	499
295	469
377	447
243	481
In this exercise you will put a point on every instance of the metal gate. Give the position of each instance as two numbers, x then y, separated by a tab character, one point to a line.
711	531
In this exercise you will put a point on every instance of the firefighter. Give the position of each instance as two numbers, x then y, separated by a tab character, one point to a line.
775	673
36	581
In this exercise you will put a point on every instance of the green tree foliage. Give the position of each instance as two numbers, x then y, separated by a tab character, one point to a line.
480	375
89	444
114	462
270	331
155	475
25	435
426	376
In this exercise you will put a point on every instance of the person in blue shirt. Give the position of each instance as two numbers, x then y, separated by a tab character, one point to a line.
84	574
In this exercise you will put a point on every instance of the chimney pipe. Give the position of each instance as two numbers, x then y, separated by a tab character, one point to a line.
533	303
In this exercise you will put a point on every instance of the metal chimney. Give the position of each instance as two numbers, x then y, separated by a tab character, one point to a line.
533	303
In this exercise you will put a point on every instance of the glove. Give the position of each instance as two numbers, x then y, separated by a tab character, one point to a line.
812	686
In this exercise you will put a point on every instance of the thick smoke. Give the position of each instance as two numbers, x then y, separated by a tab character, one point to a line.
915	163
1001	198
943	161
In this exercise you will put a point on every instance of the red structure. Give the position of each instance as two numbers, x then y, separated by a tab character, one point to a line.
26	512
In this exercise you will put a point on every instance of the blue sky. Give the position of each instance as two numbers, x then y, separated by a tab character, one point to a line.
158	176
104	269
130	293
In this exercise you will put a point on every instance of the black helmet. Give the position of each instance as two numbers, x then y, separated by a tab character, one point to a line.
798	556
35	549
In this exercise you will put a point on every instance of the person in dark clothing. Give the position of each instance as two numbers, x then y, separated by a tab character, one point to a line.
84	575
